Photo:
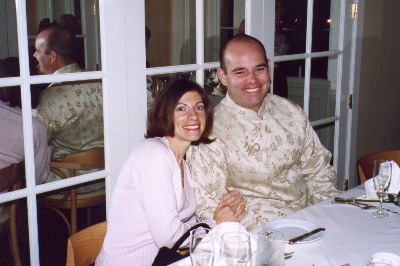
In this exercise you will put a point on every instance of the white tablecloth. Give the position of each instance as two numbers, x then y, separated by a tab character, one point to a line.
351	235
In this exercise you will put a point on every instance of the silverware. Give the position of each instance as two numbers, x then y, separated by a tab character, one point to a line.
288	255
338	199
353	202
303	236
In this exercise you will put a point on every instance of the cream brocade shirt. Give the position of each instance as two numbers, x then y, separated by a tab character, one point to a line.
273	157
73	115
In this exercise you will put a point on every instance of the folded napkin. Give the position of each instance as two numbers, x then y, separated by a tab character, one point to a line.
385	257
394	186
226	227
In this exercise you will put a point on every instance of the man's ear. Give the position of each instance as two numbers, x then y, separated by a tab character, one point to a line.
221	76
53	55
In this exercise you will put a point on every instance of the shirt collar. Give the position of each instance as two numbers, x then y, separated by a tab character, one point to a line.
71	68
245	112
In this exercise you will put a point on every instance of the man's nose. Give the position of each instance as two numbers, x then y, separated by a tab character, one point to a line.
251	77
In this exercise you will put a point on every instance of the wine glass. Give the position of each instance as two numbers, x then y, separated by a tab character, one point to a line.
235	249
201	247
381	176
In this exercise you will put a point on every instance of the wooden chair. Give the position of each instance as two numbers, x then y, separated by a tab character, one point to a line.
91	159
84	246
366	163
10	179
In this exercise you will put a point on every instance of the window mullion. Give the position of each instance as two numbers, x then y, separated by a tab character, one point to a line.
307	70
200	40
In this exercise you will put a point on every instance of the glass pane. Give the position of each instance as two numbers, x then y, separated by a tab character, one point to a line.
321	26
323	87
291	24
223	19
8	38
213	87
280	83
53	229
173	32
6	257
295	80
82	21
326	134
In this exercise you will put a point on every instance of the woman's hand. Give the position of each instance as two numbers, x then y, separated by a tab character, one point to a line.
225	213
231	208
233	199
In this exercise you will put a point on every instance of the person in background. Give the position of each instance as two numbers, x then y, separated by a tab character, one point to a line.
153	202
69	22
71	111
265	146
11	129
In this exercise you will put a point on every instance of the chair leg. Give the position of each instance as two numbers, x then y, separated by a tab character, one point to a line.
13	235
89	216
74	226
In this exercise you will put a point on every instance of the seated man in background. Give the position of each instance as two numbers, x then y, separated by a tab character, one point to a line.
71	111
265	146
11	130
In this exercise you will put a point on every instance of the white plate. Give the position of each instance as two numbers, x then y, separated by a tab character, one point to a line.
292	228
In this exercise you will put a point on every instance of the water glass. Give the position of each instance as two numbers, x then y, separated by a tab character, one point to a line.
270	249
235	249
201	247
382	174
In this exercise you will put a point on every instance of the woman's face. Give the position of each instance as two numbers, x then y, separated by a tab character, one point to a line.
189	117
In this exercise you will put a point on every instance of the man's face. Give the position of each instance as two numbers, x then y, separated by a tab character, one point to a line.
44	60
247	75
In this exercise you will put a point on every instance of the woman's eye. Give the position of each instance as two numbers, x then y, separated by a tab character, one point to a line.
180	108
200	107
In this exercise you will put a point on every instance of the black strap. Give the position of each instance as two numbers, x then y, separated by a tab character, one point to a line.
186	235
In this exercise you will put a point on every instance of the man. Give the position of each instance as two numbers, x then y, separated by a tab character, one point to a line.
11	129
71	111
265	146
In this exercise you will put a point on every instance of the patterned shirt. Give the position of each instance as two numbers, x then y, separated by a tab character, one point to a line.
273	157
73	114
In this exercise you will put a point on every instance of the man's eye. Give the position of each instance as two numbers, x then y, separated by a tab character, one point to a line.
239	72
260	69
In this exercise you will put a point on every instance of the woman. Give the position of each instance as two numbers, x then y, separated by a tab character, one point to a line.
153	202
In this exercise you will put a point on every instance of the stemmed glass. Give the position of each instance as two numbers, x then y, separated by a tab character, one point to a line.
381	176
235	249
201	247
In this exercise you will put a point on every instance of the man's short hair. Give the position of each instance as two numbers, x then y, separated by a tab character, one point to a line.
62	41
239	38
161	121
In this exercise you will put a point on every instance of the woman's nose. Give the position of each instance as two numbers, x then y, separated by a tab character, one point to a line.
193	115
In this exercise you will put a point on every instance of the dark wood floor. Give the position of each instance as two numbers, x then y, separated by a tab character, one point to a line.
53	235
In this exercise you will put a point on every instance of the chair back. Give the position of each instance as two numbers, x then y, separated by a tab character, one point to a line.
10	175
366	163
10	178
84	246
90	159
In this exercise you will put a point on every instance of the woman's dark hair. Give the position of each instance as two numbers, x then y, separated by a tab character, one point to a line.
161	120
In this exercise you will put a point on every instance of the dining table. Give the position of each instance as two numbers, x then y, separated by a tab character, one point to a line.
351	234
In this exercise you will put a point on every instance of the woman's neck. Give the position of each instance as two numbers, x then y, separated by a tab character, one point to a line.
179	148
